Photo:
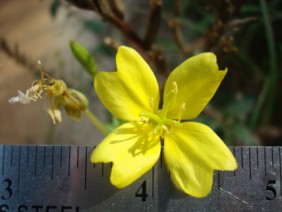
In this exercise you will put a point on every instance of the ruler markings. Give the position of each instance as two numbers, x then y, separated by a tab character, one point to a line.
12	153
235	171
90	156
77	156
3	159
69	162
272	157
218	180
252	154
27	156
161	158
264	157
19	169
61	156
242	158
52	162
250	164
257	157
153	182
233	151
35	158
85	171
280	171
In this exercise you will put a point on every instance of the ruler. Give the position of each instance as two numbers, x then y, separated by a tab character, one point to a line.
61	178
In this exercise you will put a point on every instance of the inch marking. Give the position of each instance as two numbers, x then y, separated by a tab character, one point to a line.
264	155
242	158
35	158
69	161
161	156
19	169
27	159
85	171
233	152
218	180
12	153
52	162
3	159
44	156
77	156
250	164
153	182
280	171
257	158
272	159
225	182
61	156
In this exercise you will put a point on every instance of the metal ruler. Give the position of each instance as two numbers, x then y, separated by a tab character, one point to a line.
61	178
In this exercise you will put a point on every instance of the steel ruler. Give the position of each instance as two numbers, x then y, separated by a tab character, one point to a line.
61	178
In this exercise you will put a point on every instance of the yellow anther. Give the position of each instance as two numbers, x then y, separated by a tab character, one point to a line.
183	106
151	101
165	129
175	87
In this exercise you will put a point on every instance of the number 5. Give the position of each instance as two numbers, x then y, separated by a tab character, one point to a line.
269	187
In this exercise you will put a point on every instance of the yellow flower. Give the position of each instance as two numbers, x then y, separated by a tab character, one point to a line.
191	150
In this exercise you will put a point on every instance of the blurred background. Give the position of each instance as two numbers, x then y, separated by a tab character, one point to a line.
245	36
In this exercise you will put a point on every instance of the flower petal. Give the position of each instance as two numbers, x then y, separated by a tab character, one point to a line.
133	149
197	80
192	151
131	90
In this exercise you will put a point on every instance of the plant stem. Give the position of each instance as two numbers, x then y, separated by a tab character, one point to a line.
272	60
96	122
267	94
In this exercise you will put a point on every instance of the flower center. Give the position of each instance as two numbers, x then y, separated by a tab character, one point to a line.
163	125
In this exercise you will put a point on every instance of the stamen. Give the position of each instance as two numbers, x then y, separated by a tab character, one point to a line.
169	99
175	87
182	109
157	130
151	102
150	116
164	127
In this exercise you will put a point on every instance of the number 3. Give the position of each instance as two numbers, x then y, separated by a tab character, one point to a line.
8	188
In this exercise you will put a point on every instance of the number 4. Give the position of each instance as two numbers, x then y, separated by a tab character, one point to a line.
141	192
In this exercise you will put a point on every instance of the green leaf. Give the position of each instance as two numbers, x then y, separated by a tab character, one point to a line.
84	58
243	135
54	7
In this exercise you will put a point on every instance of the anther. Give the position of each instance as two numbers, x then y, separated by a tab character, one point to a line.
183	106
151	102
175	87
164	127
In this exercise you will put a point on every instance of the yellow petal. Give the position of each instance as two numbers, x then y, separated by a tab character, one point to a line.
133	149
131	90
197	80
192	151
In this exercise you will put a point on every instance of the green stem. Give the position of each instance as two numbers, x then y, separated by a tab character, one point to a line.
93	119
270	82
272	60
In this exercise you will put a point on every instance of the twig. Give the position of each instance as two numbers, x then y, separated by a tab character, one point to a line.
17	55
153	23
